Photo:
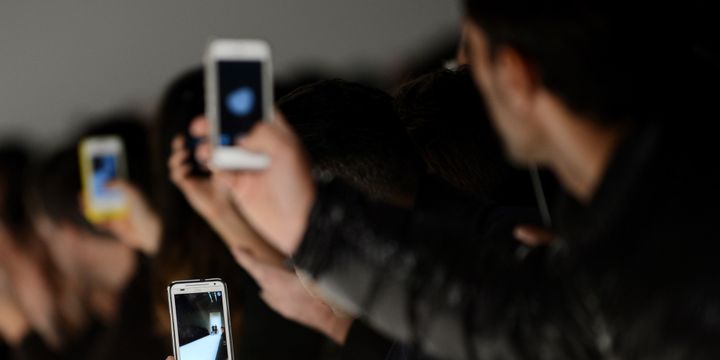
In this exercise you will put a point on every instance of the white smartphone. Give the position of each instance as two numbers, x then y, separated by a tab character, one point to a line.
200	320
102	160
239	93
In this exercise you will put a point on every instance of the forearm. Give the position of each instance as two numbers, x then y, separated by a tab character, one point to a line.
239	235
385	305
452	317
361	259
382	263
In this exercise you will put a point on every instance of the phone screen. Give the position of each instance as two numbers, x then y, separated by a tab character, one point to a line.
201	326
105	170
240	98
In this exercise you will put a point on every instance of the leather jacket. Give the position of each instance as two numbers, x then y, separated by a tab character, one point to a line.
633	274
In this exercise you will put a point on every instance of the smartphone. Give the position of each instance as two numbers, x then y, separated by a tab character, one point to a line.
239	94
102	160
200	320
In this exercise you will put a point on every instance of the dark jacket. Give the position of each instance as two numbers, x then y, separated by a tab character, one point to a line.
363	343
4	351
633	275
380	259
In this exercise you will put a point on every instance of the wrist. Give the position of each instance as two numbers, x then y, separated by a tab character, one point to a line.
339	327
216	210
227	223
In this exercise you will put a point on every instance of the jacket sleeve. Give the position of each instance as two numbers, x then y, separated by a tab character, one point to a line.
363	343
454	283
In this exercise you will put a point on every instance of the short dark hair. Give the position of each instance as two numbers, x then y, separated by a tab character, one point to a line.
600	58
352	131
445	116
14	169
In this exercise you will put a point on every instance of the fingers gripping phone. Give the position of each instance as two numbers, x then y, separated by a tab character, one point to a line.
102	160
200	320
238	88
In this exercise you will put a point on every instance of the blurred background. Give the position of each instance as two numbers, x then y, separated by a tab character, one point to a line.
65	61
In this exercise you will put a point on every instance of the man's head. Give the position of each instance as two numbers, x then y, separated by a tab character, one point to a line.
353	132
542	63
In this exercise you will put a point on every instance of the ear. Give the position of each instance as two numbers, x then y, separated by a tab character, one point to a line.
515	79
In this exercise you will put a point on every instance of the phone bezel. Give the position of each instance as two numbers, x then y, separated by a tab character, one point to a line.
198	286
89	148
231	157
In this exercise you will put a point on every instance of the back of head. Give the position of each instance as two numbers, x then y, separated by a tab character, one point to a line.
446	118
352	131
14	166
181	102
606	60
58	186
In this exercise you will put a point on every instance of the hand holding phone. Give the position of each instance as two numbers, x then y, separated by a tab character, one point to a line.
102	161
200	320
238	76
278	200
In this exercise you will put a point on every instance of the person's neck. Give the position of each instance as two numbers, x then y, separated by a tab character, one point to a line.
582	153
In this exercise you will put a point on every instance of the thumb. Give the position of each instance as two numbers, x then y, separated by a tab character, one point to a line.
125	187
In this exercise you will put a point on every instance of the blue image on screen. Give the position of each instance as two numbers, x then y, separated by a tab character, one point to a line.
104	171
241	102
225	140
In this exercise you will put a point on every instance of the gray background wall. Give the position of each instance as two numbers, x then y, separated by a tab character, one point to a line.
63	60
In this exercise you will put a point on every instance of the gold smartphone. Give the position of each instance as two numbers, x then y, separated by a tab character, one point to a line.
102	161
